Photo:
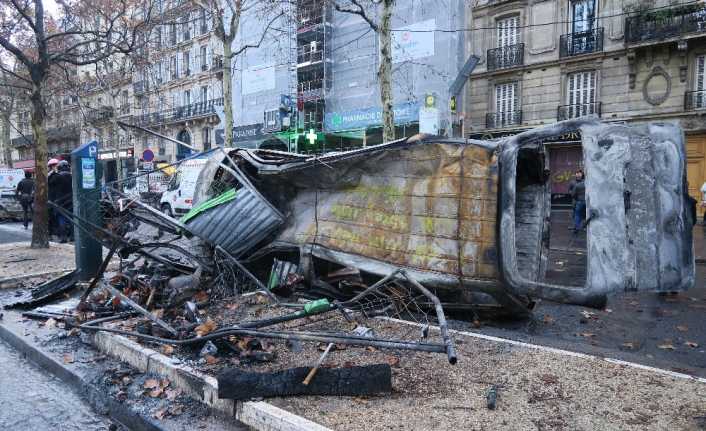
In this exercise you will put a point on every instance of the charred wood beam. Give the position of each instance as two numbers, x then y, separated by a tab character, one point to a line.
354	381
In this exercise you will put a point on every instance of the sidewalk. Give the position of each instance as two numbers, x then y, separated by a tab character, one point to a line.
20	262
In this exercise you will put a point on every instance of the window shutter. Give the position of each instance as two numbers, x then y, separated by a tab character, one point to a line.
700	81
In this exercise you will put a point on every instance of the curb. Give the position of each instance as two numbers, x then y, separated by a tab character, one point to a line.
97	399
259	415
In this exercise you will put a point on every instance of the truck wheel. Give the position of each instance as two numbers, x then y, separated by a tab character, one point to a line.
167	209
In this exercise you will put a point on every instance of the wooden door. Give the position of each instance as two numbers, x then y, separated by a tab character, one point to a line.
696	166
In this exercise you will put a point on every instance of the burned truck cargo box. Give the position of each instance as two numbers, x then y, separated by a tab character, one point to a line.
470	217
428	205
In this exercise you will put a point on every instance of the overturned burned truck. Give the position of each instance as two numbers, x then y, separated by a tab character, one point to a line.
468	218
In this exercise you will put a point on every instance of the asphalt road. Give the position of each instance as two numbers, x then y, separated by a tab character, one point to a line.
665	331
34	400
14	232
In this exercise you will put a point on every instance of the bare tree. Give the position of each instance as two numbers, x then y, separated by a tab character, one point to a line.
369	10
11	91
226	16
88	31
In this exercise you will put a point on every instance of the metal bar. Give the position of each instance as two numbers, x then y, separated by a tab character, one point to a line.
450	350
144	312
302	336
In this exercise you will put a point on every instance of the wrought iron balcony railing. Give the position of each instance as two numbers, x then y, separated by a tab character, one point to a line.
665	23
99	114
497	120
694	100
506	56
194	110
566	112
584	42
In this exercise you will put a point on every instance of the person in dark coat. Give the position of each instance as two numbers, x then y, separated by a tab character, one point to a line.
25	194
577	190
64	199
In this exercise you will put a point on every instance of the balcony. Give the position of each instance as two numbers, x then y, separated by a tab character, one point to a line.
584	42
503	119
665	24
506	57
694	100
99	114
566	112
181	113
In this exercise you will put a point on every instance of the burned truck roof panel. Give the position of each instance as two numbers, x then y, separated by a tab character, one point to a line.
427	206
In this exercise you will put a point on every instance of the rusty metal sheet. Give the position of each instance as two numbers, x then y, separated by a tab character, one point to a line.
430	207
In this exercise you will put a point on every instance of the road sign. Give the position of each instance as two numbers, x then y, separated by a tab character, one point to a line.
147	155
148	166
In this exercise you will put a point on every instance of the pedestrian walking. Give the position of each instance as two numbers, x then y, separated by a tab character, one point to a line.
51	189
577	190
25	194
64	199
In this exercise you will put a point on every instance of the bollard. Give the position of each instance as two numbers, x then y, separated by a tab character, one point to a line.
86	176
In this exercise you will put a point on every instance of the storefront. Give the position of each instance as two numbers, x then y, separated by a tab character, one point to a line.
565	158
696	165
112	160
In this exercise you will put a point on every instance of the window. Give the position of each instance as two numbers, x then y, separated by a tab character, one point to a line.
204	94
583	13
506	104
187	97
173	33
507	31
202	21
186	63
158	72
158	37
175	70
581	94
204	58
145	143
206	138
161	148
125	106
700	82
185	27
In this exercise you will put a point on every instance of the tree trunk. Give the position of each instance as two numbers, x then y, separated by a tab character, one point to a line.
6	141
385	72
228	90
40	224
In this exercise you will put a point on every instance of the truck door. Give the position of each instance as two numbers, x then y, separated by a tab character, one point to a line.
639	220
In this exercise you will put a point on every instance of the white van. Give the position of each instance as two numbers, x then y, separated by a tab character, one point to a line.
178	199
10	207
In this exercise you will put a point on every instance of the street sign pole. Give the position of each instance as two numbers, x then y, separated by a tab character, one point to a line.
86	176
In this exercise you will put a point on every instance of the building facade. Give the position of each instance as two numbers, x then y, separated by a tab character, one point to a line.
623	61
